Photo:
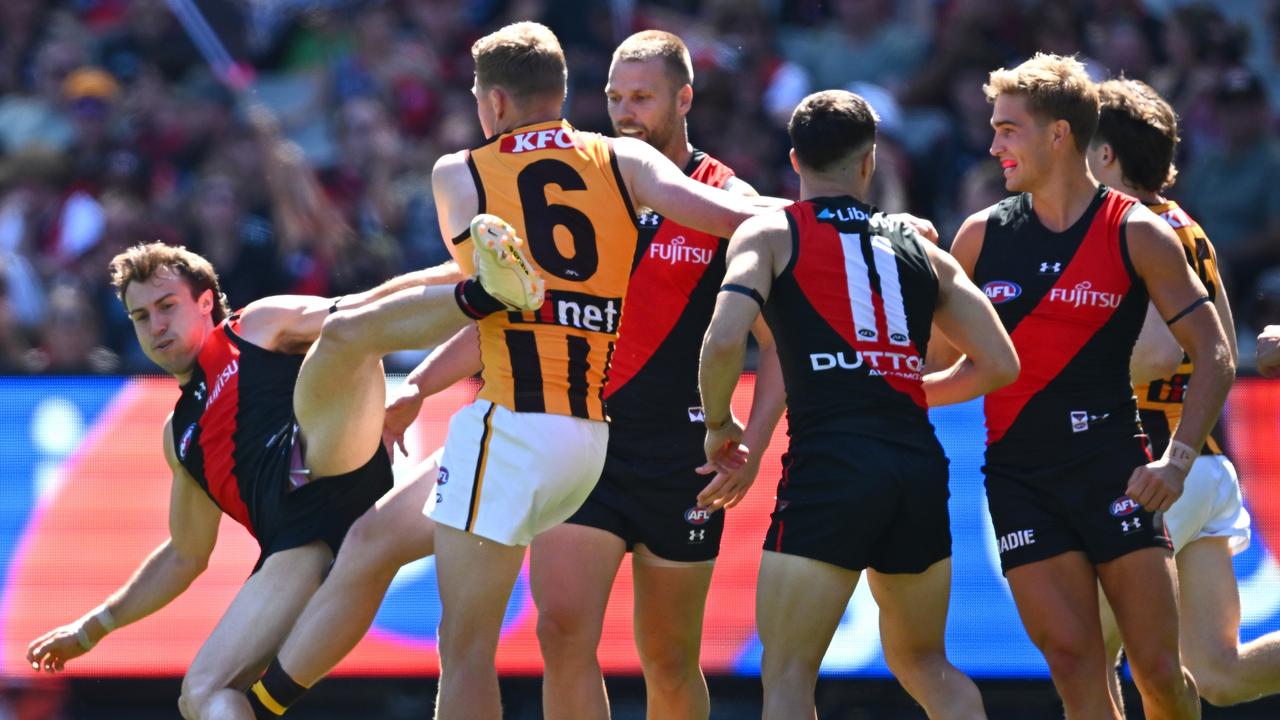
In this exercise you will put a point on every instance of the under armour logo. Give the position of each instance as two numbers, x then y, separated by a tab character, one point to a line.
697	415
200	391
1130	526
697	536
650	219
1047	268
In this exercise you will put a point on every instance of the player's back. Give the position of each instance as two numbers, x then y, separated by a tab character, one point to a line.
851	314
562	191
1160	401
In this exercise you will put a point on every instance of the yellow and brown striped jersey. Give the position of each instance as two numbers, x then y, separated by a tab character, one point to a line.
1160	401
562	191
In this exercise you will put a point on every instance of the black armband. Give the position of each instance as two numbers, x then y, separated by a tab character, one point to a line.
1187	310
744	290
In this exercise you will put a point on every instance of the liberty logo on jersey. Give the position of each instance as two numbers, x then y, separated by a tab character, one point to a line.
849	214
678	251
1084	294
1001	291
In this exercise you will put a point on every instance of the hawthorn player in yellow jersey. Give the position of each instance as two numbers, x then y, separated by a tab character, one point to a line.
1133	151
526	453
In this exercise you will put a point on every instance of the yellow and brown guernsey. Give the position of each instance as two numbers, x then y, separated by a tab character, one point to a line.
1160	401
562	191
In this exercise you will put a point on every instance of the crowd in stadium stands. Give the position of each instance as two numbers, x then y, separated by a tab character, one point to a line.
316	179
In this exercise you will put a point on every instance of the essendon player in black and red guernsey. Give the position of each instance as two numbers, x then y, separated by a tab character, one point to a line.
647	499
259	433
852	297
1074	495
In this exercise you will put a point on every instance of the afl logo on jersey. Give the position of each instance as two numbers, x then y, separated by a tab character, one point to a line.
1000	291
185	442
697	516
1124	506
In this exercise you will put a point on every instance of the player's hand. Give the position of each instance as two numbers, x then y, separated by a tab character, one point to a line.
922	226
1269	352
401	412
726	454
1156	485
729	487
51	651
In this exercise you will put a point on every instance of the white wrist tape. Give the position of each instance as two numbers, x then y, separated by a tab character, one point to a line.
82	637
1181	455
106	619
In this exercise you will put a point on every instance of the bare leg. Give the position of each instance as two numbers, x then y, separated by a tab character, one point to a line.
392	533
1143	594
1225	672
799	603
250	632
670	599
1058	601
476	576
1111	641
913	625
571	571
341	390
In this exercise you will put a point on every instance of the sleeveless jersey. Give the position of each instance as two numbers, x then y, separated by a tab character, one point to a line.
652	393
562	191
851	315
1073	306
1160	401
233	424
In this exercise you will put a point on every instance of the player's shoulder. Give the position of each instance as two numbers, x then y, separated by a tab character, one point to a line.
450	165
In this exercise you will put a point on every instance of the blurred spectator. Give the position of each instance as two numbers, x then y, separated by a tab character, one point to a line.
1231	187
38	116
70	342
863	40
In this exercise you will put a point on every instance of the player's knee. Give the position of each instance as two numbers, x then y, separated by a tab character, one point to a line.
1066	656
342	330
365	549
197	691
1158	673
790	668
672	663
915	664
1219	688
562	629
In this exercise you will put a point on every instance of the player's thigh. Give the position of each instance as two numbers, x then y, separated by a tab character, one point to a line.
670	599
259	618
395	531
1209	603
799	603
1057	600
1141	588
475	577
571	572
913	608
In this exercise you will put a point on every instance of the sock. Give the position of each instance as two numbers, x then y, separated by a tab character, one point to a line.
474	300
272	695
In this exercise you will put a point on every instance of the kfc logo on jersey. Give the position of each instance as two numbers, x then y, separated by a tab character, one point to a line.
1001	291
537	140
697	516
1084	294
185	442
1124	506
679	251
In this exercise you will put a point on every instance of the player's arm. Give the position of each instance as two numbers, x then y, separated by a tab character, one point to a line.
1157	353
655	182
163	576
1184	305
964	248
753	253
969	324
1268	356
455	359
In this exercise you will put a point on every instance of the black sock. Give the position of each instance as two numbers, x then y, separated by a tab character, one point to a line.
474	300
272	695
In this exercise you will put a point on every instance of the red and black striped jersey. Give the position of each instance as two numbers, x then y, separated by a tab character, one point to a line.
1160	401
851	317
233	423
1073	305
652	389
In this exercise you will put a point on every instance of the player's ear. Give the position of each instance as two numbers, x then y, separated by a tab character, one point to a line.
795	161
205	302
684	99
868	167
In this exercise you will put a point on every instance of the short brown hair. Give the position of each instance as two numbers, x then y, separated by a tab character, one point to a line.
524	59
828	126
658	45
1141	129
141	262
1056	87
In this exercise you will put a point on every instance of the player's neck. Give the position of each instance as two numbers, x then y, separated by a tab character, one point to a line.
533	117
820	186
1146	196
1063	197
679	151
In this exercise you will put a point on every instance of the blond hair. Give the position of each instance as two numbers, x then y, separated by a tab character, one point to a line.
523	58
658	45
1056	87
1142	130
142	262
